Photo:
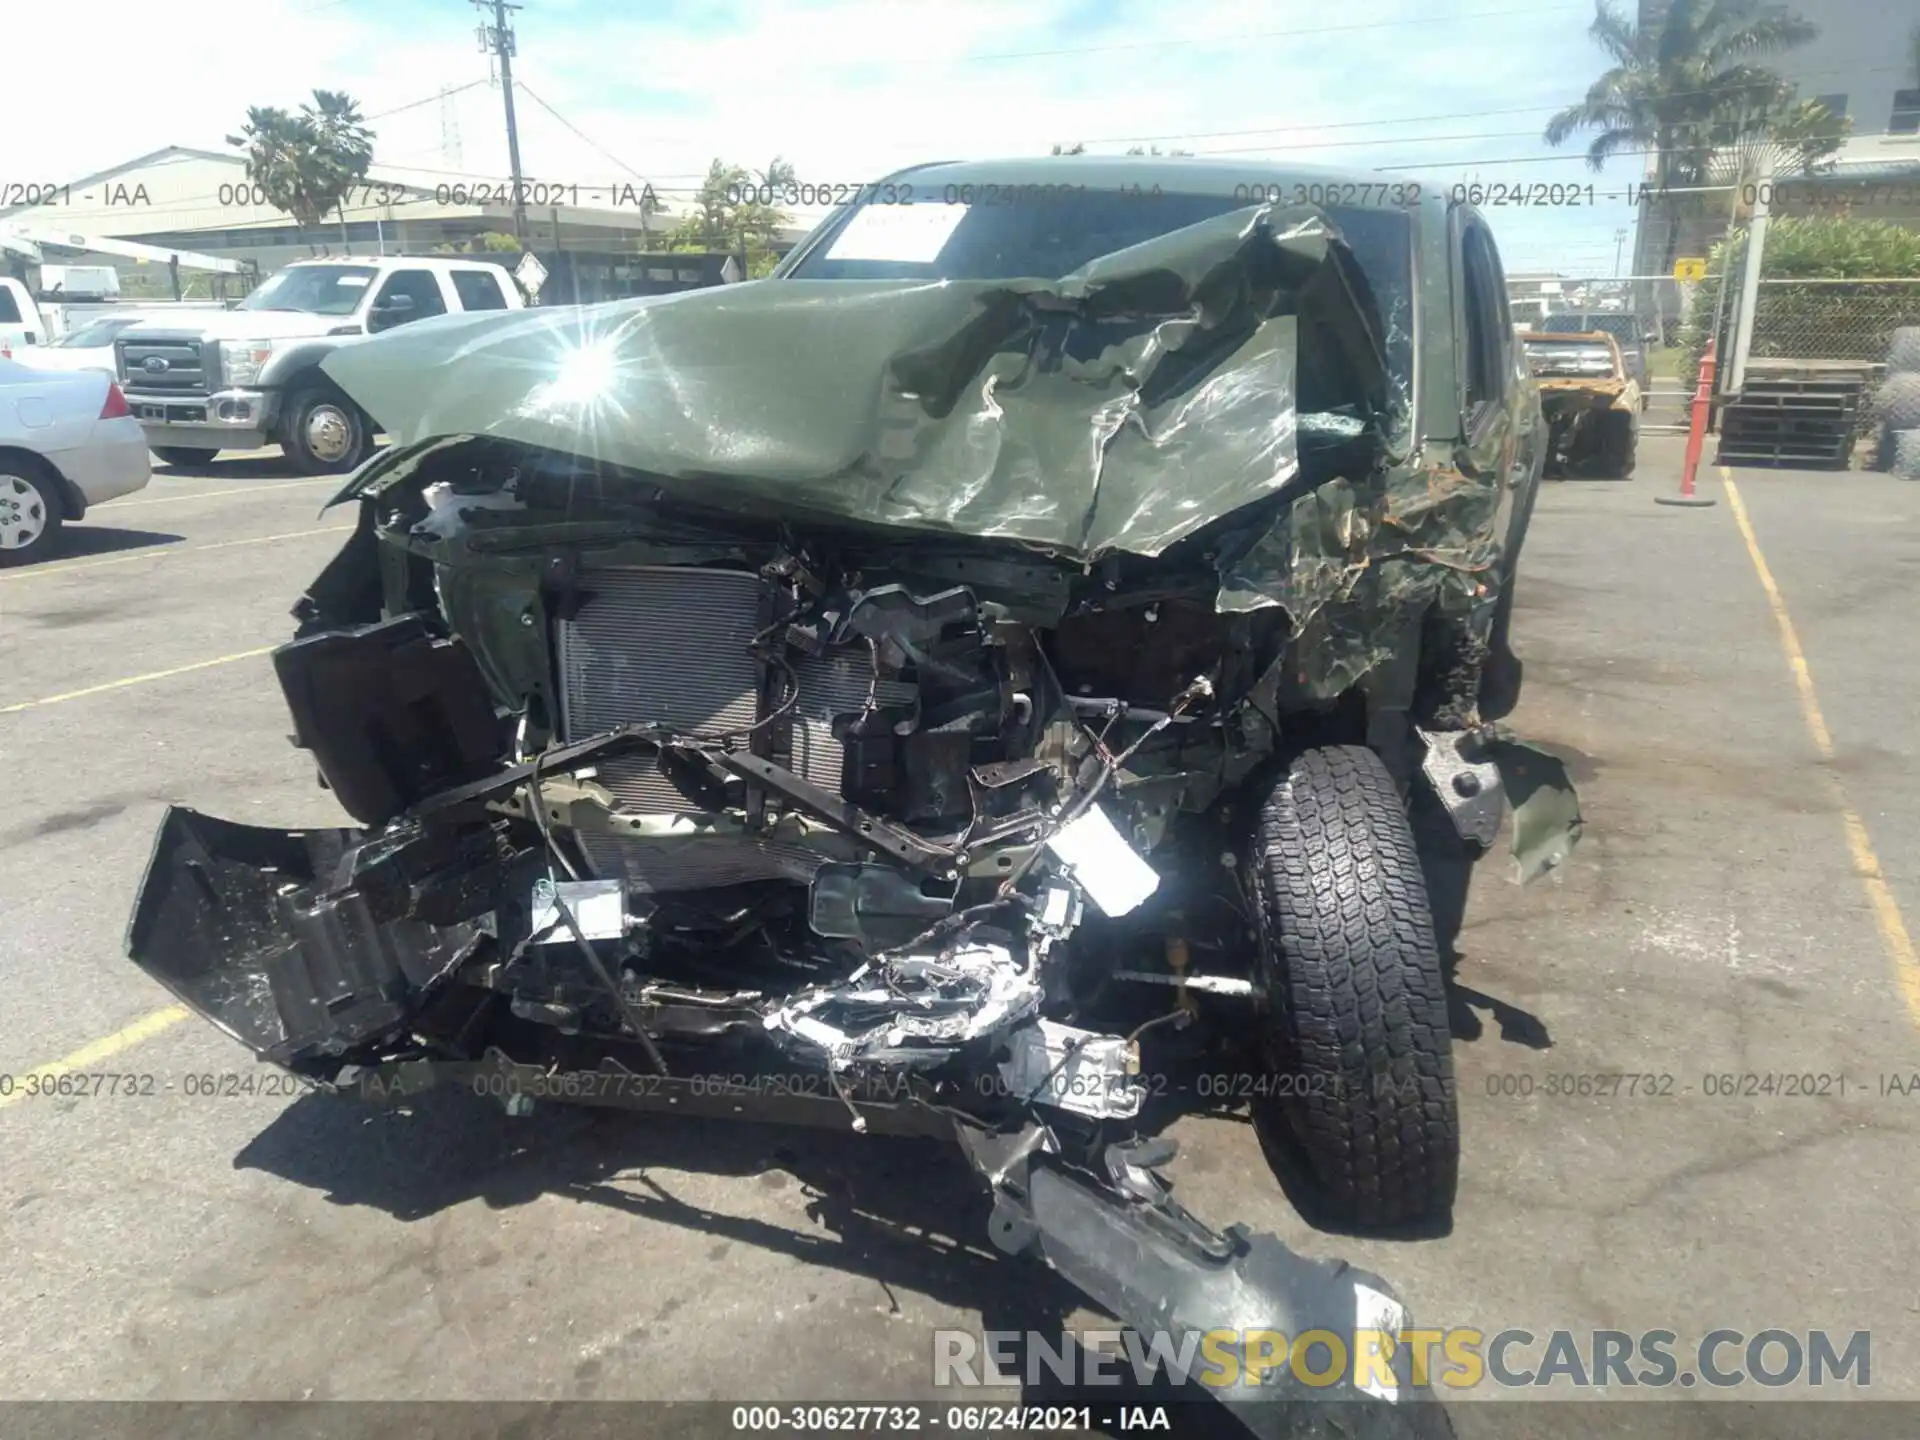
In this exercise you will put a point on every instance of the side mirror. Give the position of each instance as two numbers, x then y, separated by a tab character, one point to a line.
394	310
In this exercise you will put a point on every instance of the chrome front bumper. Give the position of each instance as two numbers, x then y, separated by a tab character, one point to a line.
224	420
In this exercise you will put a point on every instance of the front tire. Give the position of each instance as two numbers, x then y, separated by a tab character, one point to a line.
184	454
1617	437
31	511
323	432
1355	1017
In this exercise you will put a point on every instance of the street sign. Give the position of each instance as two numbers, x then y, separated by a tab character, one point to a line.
1690	267
530	273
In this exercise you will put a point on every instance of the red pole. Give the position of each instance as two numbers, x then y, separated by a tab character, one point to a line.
1696	435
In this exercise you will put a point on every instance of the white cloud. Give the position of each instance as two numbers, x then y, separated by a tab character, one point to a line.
845	89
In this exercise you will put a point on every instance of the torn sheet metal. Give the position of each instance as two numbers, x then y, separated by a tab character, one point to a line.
1342	557
1546	812
1050	413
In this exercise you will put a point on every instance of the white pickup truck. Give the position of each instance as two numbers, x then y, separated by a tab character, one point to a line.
251	376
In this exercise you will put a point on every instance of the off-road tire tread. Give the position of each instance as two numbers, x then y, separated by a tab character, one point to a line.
1356	992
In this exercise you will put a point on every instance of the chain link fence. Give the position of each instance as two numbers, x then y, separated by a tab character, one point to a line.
1803	319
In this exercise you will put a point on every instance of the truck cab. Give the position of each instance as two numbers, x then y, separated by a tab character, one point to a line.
251	376
21	324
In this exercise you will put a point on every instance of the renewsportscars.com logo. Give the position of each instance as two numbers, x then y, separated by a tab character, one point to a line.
1383	1362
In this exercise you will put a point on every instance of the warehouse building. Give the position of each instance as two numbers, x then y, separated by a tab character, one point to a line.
202	200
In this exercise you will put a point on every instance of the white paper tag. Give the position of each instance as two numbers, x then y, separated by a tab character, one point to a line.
598	907
1111	872
1375	1311
914	234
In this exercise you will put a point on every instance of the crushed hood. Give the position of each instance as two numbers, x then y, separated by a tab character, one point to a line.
1121	408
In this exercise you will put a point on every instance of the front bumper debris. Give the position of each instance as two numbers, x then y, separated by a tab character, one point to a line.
259	931
286	940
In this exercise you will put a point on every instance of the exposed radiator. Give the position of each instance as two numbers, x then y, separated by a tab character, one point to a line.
673	644
661	643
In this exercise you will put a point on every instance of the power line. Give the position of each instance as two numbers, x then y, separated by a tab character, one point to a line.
416	104
528	89
1262	34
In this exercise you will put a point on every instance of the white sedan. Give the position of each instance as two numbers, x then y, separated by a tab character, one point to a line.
88	346
67	441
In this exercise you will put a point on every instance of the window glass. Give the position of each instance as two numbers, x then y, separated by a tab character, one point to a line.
929	239
478	290
422	286
313	289
1906	113
1486	316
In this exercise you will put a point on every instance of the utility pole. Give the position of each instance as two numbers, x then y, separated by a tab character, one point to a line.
1750	276
497	39
1619	240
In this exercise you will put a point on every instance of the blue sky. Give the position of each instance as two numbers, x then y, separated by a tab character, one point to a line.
848	89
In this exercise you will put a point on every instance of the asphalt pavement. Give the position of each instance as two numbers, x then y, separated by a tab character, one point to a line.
1733	688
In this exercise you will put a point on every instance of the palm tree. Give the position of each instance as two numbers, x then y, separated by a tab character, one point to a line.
341	150
307	163
728	214
1681	86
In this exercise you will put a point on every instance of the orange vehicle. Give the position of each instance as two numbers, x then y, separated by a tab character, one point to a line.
1591	404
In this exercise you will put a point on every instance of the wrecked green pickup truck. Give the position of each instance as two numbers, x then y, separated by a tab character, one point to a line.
1024	634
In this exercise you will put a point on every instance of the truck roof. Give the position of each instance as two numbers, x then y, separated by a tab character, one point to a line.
1179	174
449	260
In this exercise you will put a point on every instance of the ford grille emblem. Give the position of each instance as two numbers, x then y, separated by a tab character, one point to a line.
154	364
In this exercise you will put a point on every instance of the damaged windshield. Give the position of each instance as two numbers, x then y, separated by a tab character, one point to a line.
1047	234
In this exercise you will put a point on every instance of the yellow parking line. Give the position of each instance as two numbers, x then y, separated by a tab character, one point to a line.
136	680
1866	864
161	552
334	480
144	1028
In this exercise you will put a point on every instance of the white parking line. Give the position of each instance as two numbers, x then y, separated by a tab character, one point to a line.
100	689
161	552
334	480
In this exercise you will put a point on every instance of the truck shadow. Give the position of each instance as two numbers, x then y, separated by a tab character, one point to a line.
252	465
903	1213
84	539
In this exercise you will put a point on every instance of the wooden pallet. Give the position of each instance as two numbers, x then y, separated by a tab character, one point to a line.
1793	452
1784	424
